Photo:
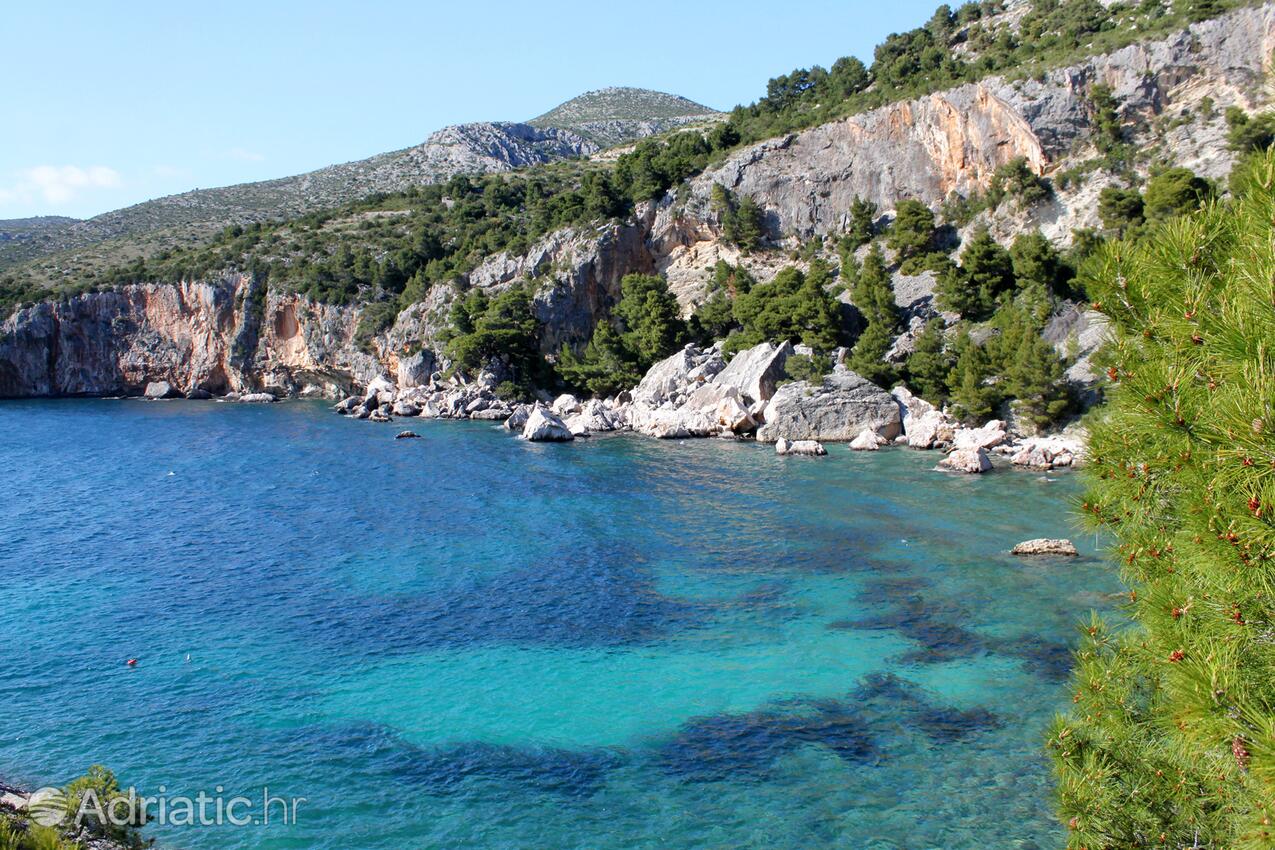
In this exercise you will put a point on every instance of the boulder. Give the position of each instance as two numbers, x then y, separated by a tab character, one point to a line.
989	436
708	396
494	413
756	371
429	410
867	441
406	408
518	417
675	375
565	405
594	417
160	389
543	426
1045	546
970	461
198	394
812	448
1048	452
839	408
347	405
476	405
734	417
378	386
414	370
929	430
257	398
670	423
407	435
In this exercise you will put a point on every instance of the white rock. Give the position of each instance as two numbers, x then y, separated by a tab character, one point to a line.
966	460
799	447
257	398
518	418
990	435
867	441
839	408
160	389
929	430
565	405
756	371
734	417
406	408
543	426
1048	452
378	385
1045	546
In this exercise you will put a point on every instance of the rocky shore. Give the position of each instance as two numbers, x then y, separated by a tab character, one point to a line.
697	392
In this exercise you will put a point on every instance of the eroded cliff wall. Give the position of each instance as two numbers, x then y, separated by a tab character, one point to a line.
227	334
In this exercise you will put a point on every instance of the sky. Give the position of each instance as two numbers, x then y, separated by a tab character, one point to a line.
110	104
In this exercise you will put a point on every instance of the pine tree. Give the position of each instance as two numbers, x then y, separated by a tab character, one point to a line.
972	398
1170	741
912	232
930	363
651	318
986	271
607	366
874	297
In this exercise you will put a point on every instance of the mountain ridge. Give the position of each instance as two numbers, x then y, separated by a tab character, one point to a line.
605	117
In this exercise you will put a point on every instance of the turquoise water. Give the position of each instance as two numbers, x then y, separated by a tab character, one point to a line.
469	641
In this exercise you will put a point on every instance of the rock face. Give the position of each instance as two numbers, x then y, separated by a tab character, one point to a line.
192	335
838	409
1046	546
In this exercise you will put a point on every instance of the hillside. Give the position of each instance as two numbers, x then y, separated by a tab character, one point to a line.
968	208
616	115
577	128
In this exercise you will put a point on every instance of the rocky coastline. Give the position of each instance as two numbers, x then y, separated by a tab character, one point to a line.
697	393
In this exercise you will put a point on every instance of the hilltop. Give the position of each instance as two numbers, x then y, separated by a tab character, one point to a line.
577	128
616	115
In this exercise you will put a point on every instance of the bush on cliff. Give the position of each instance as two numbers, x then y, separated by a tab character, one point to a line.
501	330
645	327
1171	738
792	306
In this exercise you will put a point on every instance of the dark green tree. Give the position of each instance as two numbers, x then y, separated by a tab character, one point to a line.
1175	191
650	319
930	363
973	398
503	329
985	273
912	232
1121	211
1170	737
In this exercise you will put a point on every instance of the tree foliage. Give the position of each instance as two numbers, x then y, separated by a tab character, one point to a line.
1171	738
645	327
792	306
501	331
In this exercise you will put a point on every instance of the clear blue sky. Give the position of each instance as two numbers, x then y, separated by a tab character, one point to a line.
108	104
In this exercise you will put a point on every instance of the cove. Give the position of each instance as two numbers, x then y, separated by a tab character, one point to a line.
470	641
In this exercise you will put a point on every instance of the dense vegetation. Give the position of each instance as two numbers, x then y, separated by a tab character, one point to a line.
108	814
1171	741
646	326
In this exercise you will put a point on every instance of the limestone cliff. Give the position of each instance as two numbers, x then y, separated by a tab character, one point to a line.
226	334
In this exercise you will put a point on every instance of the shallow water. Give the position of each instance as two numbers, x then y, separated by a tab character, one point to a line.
469	641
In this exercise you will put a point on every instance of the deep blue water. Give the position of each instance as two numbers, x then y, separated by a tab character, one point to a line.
469	641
